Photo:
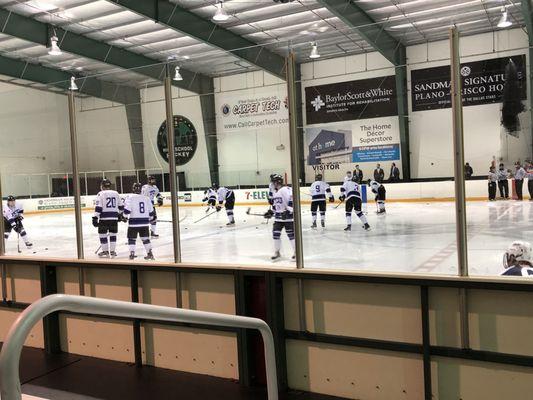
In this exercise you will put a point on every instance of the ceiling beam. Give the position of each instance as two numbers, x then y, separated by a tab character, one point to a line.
26	28
375	34
60	79
188	23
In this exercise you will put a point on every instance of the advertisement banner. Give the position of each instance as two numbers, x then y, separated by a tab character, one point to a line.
482	83
348	101
258	108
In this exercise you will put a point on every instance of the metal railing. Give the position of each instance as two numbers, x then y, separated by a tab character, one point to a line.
10	388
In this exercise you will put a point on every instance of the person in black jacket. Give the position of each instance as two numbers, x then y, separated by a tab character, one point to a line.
358	174
379	174
394	173
468	171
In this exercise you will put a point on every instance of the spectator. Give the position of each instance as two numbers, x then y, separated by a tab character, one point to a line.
503	183
379	174
394	173
493	178
358	173
519	176
468	171
529	168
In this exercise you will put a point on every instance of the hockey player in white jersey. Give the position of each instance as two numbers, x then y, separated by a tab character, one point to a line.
139	213
13	216
351	193
319	190
226	197
379	190
210	196
283	216
108	208
151	191
517	260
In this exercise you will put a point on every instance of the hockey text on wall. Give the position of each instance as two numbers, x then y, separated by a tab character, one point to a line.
186	140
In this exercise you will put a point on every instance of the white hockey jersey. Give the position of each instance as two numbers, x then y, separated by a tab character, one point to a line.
152	192
224	194
12	213
318	191
108	205
347	178
282	202
350	189
210	194
139	210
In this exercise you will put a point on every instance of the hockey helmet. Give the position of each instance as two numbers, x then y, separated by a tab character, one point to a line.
319	177
215	186
518	251
277	178
136	188
11	199
272	177
373	184
105	184
151	179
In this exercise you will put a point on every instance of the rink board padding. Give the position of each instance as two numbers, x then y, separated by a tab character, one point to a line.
365	335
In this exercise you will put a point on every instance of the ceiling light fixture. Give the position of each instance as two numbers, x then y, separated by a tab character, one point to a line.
73	85
54	47
177	75
504	20
314	51
220	14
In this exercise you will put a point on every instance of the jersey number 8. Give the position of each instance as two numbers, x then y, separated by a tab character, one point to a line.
141	208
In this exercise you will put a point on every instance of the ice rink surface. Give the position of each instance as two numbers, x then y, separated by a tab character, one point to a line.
411	237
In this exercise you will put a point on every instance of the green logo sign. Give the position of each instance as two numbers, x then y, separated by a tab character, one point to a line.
186	140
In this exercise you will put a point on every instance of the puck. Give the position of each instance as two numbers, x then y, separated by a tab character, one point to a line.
256	227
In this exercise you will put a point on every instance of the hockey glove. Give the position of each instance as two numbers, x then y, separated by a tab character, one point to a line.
271	201
285	215
159	201
19	218
219	208
342	198
95	221
269	214
332	199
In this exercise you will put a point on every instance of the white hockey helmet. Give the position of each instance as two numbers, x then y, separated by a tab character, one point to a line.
518	251
373	184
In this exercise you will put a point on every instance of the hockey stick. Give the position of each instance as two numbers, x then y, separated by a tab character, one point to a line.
205	216
338	205
98	249
169	221
18	243
248	212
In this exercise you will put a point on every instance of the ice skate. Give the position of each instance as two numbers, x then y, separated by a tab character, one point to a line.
231	223
149	256
113	253
293	257
314	225
323	223
132	255
103	254
154	235
366	227
348	228
276	256
29	245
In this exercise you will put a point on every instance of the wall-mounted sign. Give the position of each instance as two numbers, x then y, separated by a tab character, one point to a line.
347	101
482	83
186	140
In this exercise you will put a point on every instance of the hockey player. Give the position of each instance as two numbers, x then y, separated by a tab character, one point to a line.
139	213
108	207
210	195
517	260
318	190
283	216
226	197
151	191
348	176
379	190
13	216
351	193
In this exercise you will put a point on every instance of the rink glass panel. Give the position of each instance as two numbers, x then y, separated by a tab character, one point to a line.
494	224
417	231
35	165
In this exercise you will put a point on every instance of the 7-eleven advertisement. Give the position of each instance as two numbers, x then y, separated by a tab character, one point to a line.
258	108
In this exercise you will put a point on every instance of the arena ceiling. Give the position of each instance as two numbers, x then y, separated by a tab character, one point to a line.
125	41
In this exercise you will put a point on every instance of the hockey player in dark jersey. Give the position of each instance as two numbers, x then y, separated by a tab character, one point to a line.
517	260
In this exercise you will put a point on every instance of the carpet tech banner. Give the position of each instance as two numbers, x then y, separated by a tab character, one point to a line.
257	108
353	100
482	83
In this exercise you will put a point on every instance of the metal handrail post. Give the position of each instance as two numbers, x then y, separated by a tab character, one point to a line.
10	356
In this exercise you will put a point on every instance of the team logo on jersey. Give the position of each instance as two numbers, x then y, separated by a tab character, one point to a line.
186	140
226	109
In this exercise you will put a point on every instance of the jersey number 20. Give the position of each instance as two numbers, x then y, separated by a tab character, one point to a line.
111	202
